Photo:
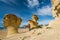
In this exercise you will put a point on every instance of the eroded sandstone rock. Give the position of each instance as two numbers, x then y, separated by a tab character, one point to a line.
34	18
55	13
33	23
11	22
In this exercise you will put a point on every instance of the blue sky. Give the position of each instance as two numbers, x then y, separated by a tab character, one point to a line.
25	9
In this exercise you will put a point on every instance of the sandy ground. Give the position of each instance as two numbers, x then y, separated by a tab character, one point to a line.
37	34
3	32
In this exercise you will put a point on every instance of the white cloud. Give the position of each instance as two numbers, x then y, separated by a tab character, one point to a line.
32	3
46	10
44	22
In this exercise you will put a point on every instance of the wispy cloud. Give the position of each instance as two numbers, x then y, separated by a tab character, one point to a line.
9	2
5	1
44	22
33	3
13	1
46	10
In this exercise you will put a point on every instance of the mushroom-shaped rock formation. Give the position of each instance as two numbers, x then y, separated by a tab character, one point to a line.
34	18
11	22
32	24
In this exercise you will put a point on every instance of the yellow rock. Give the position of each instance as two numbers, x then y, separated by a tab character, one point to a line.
11	22
32	24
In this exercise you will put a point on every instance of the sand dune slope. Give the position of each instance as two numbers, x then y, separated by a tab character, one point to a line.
37	34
